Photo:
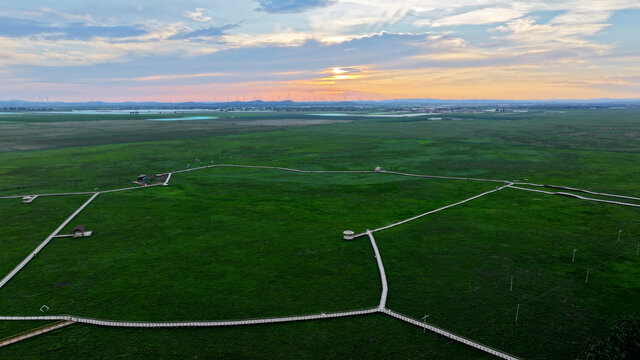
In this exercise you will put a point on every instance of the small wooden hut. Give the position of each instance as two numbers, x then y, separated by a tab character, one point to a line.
78	231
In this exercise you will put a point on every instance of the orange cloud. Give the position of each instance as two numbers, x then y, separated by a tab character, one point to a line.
508	82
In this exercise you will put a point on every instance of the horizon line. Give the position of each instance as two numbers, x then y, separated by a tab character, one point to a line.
316	101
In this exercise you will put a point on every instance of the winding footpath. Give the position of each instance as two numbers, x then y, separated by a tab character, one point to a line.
383	275
562	193
194	323
35	332
381	308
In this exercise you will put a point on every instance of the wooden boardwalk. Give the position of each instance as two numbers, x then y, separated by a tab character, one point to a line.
193	323
383	274
35	332
450	335
562	193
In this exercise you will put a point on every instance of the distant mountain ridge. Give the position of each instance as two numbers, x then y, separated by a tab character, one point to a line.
292	104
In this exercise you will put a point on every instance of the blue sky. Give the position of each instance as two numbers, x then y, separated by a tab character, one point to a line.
71	50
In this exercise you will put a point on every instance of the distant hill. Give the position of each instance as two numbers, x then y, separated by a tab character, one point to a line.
22	104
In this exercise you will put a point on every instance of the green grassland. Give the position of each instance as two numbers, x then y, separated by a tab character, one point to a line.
24	227
462	259
228	243
263	256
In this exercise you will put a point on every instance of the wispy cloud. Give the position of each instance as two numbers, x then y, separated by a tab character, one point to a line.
174	77
554	35
197	15
83	18
15	27
287	37
489	15
211	31
292	6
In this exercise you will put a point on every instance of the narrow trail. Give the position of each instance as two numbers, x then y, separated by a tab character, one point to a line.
432	211
442	177
70	319
52	194
450	335
383	274
166	182
561	193
194	323
580	190
35	332
81	193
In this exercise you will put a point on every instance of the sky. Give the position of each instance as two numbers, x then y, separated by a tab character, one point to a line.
318	50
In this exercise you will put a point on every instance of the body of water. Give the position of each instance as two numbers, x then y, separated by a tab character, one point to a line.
186	118
331	114
377	115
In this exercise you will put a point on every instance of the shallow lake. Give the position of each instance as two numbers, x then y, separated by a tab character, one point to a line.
375	115
186	118
329	114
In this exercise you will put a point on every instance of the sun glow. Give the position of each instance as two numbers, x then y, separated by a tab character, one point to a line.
340	73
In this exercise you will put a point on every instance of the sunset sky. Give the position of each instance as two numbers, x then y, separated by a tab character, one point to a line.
196	50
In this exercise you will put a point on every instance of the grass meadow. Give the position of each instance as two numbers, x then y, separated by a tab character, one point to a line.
229	243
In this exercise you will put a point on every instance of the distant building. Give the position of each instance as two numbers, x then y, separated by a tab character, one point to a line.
78	231
29	198
142	179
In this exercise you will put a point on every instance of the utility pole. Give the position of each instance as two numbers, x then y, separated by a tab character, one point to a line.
517	312
573	259
424	320
587	279
619	232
